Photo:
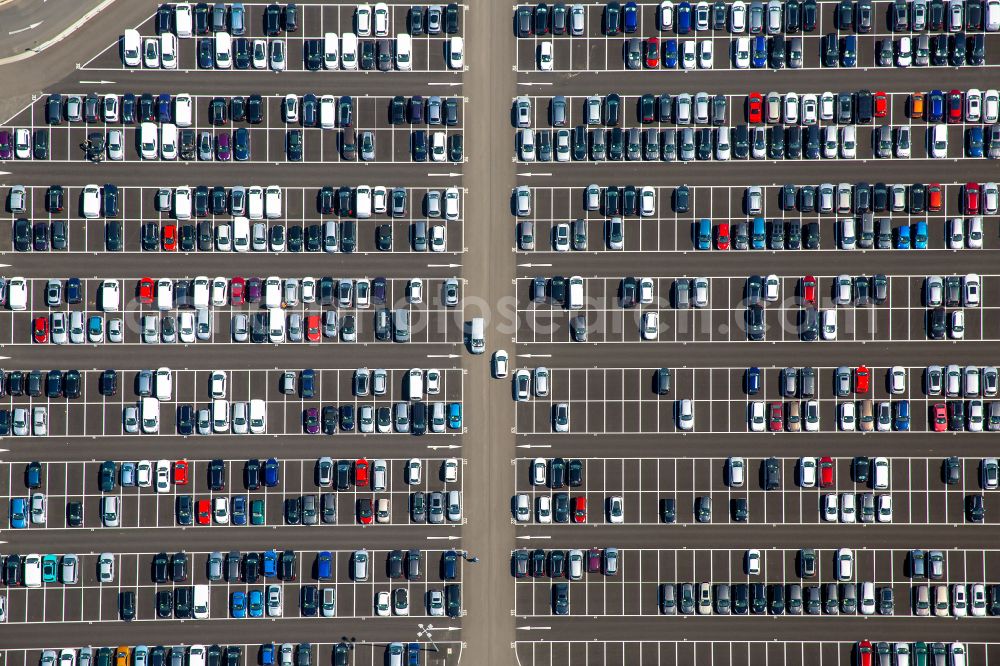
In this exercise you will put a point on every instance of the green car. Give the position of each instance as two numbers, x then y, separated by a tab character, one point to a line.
257	512
50	568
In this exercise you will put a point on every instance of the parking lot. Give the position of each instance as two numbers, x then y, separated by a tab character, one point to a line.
634	591
919	496
596	52
669	230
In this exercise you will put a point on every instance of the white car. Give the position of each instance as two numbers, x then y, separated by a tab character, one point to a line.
706	54
543	510
650	325
685	414
220	510
647	201
381	19
162	476
522	385
382	606
522	508
665	15
545	56
259	54
897	380
883	511
756	416
616	510
741	53
449	470
415	290
645	290
807	472
413	471
828	327
848	419
688	54
456	53
500	359
848	508
753	562
829	507
845	564
771	288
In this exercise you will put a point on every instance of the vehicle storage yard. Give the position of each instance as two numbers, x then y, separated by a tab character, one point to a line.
550	334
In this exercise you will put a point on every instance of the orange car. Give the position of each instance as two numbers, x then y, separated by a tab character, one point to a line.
917	105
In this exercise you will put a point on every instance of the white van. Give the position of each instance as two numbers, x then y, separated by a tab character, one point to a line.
182	203
17	294
148	141
241	234
258	416
183	110
362	202
331	51
168	51
165	294
404	51
327	112
255	202
575	292
201	606
91	201
477	339
272	201
131	48
223	50
182	19
349	50
220	415
272	292
168	141
276	325
200	292
415	384
110	295
33	570
149	414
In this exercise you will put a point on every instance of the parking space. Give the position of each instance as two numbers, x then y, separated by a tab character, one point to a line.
622	400
333	400
917	492
726	652
902	316
73	491
635	589
141	319
399	217
89	600
673	227
595	51
366	133
428	53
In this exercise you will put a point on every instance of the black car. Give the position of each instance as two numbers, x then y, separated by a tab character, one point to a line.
739	509
183	597
217	475
272	20
758	599
126	605
40	236
292	516
71	384
952	470
770	474
975	508
12	570
310	598
575	473
560	507
74	513
861	466
184	509
178	567
185	420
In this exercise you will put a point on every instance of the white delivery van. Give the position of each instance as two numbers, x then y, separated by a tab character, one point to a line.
200	292
331	51
131	48
182	203
276	325
17	294
477	340
168	141
165	294
241	234
349	50
327	112
201	604
183	110
362	202
223	50
404	52
149	414
182	19
220	415
255	202
272	292
148	141
575	292
110	295
415	384
272	201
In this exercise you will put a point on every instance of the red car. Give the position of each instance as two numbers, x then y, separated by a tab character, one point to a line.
881	104
181	472
861	377
826	472
722	236
203	511
809	290
970	198
652	53
237	291
170	237
146	288
579	509
939	417
864	653
312	328
365	513
361	472
777	417
954	104
934	196
40	330
755	108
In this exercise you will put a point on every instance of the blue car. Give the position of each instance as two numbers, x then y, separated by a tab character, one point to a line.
758	52
455	416
324	565
903	238
752	380
272	472
270	567
683	21
669	59
18	513
238	607
974	142
935	106
631	17
74	290
920	236
240	510
413	654
164	108
256	603
267	654
902	420
757	234
241	144
703	234
95	327
849	51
